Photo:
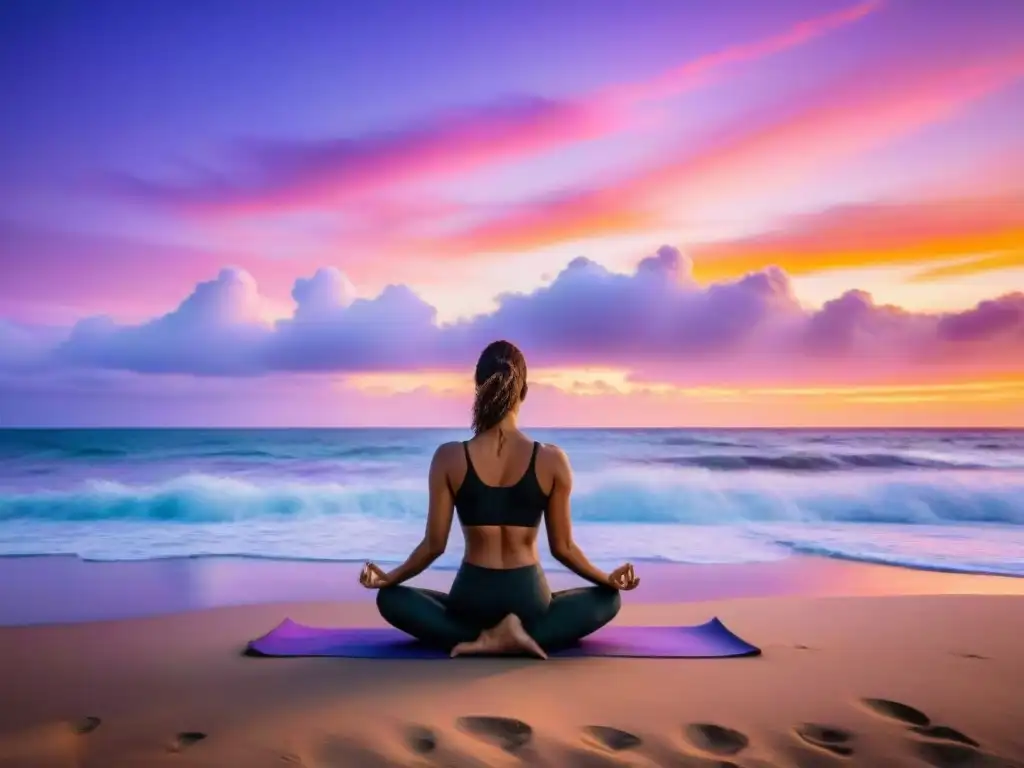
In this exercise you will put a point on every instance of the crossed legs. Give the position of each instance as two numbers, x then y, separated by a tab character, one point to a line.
573	614
427	615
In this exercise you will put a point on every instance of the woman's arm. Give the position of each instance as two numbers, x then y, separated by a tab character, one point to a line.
559	524
439	521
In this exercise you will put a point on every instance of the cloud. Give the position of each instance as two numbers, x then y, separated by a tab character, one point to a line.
656	322
24	347
785	146
682	78
118	399
964	268
589	315
1000	317
881	234
216	330
285	175
331	331
282	175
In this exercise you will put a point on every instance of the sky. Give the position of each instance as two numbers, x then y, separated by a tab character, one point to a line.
739	213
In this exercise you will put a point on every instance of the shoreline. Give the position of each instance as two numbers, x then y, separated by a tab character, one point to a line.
57	589
824	427
792	552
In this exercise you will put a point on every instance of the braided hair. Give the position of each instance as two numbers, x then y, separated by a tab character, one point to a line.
500	385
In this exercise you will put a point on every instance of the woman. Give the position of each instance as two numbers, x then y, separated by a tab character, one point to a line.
501	484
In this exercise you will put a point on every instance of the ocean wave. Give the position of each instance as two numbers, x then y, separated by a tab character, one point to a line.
666	497
56	452
198	498
815	462
241	453
783	451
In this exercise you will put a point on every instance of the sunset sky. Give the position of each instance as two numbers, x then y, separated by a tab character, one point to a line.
729	213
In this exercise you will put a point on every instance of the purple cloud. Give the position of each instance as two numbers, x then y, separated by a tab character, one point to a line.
590	315
331	331
215	331
657	318
989	318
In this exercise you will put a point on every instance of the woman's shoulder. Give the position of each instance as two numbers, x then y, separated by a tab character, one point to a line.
449	449
447	454
551	454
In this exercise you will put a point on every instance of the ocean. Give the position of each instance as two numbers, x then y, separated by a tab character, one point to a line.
945	500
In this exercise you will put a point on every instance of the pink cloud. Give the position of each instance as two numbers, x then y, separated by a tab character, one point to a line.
285	175
282	175
775	151
685	77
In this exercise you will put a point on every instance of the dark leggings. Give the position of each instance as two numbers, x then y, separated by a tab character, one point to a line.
482	597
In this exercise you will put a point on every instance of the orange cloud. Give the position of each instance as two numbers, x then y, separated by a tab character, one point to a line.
878	235
1009	260
609	397
776	151
598	381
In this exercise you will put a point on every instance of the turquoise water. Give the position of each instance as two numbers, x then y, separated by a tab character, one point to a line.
951	500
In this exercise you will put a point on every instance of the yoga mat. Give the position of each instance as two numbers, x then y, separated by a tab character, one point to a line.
710	640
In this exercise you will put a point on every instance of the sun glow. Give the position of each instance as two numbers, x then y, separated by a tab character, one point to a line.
591	382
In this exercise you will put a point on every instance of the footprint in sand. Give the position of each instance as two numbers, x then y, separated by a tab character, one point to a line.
186	739
975	656
716	739
941	746
945	733
612	738
420	739
827	737
506	732
949	755
895	710
946	747
86	725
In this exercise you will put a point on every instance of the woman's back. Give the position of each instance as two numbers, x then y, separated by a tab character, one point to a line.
500	497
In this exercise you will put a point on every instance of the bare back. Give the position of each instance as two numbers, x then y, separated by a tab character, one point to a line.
500	546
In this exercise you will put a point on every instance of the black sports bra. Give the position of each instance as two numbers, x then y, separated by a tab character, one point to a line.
522	504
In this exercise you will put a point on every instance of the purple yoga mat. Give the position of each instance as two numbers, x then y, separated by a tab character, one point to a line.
710	640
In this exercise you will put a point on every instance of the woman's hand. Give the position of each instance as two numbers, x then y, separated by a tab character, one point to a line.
623	578
372	577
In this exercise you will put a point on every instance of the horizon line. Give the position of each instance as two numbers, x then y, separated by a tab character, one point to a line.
592	428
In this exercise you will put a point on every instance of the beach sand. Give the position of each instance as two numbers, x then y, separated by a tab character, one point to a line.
869	679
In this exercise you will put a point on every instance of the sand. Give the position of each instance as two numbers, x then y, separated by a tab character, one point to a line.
890	680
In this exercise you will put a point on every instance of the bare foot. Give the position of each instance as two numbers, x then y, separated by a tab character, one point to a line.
521	639
507	637
489	642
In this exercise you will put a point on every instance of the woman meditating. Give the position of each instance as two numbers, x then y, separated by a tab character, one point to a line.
501	484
